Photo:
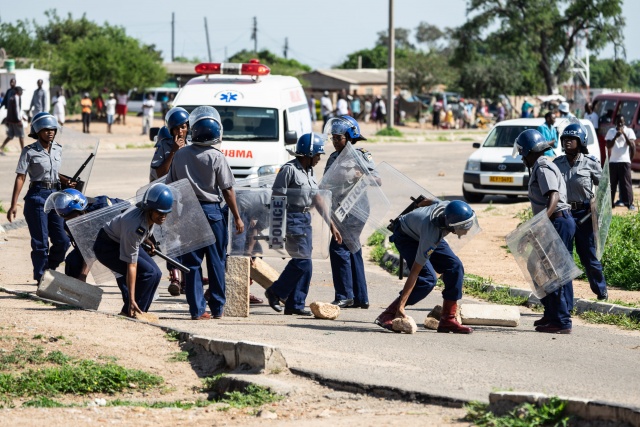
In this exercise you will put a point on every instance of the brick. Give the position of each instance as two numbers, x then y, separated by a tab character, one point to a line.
260	357
237	287
262	273
59	287
323	310
490	315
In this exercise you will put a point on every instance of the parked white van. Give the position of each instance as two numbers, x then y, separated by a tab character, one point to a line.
262	114
134	104
492	169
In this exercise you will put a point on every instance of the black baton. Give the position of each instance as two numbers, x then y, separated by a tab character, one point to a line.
584	218
171	261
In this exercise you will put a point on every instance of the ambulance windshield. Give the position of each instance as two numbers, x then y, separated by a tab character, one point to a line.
247	123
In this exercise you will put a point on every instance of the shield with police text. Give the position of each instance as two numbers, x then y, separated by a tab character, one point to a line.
78	157
357	199
281	223
541	255
602	211
185	229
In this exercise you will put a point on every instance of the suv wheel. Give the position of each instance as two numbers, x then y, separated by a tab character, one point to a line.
472	197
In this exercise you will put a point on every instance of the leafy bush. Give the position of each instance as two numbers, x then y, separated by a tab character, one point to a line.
389	132
525	415
621	258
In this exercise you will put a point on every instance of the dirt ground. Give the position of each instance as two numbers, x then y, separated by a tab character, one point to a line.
74	333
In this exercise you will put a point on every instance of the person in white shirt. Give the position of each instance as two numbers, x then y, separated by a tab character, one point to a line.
621	143
59	107
326	108
342	106
147	113
110	110
591	115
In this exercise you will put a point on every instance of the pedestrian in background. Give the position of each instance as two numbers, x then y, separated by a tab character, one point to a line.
86	105
591	115
368	107
14	119
312	108
148	107
8	94
356	106
549	133
326	108
110	110
59	107
121	107
39	101
621	143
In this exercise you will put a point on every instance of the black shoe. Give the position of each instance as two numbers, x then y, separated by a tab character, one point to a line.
273	300
297	311
363	305
619	203
604	297
343	303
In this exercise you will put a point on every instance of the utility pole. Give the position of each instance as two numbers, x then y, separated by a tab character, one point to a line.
206	31
254	35
286	46
173	35
390	70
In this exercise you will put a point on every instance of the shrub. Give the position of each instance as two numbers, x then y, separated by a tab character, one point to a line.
621	258
389	132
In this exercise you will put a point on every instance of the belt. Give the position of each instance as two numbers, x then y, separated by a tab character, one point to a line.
298	209
46	185
559	214
576	206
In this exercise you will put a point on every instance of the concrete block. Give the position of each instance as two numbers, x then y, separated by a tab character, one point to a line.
406	325
323	310
524	293
490	315
225	348
533	300
262	273
260	357
601	307
237	287
619	309
583	305
502	402
59	287
200	340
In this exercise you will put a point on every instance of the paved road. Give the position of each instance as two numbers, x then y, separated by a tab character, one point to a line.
593	362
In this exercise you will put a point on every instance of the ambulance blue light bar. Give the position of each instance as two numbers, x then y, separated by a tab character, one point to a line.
253	68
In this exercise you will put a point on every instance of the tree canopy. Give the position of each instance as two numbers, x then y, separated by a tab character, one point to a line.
277	64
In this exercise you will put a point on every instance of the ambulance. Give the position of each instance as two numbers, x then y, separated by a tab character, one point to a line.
262	114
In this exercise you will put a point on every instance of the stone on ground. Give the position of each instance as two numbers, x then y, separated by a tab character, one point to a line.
437	312
323	310
490	315
237	287
262	273
147	317
431	323
404	324
59	287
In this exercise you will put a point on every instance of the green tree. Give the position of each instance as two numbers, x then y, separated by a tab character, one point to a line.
18	41
378	57
634	77
277	64
610	73
401	37
542	32
418	71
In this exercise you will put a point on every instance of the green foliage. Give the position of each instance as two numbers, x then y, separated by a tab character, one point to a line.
610	73
419	71
376	239
524	215
181	356
378	57
172	336
620	320
210	383
389	132
478	287
252	396
525	415
277	64
42	402
621	258
200	403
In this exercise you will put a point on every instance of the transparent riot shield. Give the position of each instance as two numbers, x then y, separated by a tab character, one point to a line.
265	181
601	210
78	157
541	255
185	229
282	223
140	192
357	199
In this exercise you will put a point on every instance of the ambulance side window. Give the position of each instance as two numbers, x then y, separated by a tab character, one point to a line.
298	119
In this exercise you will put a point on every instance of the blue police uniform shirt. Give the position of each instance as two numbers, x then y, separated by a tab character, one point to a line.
206	168
293	176
163	149
129	229
546	177
580	177
94	203
40	164
420	226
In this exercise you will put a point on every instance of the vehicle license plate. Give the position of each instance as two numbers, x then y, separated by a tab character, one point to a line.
501	179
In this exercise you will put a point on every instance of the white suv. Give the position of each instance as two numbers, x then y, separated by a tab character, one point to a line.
492	170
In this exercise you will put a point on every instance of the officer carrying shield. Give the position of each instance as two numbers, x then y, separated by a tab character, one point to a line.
41	161
206	168
69	204
548	191
292	286
171	138
419	237
347	268
118	247
580	172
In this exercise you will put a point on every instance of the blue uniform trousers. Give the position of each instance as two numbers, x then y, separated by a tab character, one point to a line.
442	261
216	256
42	228
147	277
347	270
586	248
73	263
293	284
558	304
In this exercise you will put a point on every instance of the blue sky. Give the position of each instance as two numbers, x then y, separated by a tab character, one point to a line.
320	33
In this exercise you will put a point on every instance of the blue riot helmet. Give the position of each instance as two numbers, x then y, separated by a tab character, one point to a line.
206	126
164	133
575	130
344	125
458	215
66	202
529	141
42	120
177	116
158	197
309	145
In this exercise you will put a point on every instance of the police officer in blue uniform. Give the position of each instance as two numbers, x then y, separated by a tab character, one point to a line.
41	161
206	168
419	237
347	268
548	191
580	172
171	138
118	247
69	204
292	286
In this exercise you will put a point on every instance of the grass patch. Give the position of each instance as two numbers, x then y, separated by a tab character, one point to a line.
172	336
200	403
620	320
478	287
442	138
524	215
624	304
42	402
490	206
621	258
181	356
526	415
2	209
136	146
253	396
389	132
